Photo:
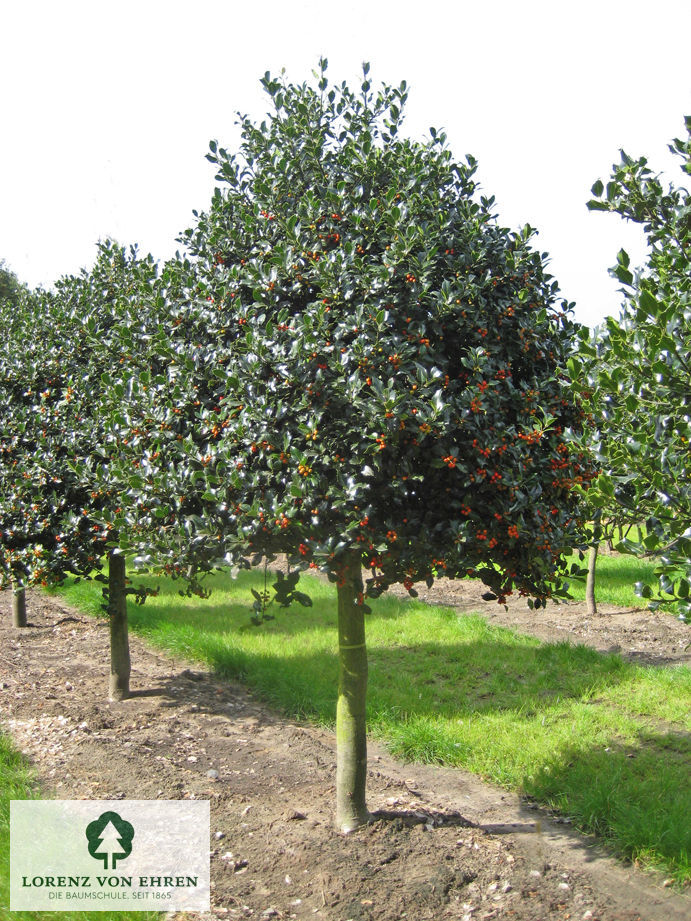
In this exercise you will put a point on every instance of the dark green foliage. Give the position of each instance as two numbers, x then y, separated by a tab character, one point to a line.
382	361
640	369
10	286
54	444
353	354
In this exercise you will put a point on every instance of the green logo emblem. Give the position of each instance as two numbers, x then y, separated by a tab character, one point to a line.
110	839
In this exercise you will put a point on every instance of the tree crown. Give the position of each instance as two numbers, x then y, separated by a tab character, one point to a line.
380	362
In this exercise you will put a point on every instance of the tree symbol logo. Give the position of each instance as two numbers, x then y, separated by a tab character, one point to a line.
110	839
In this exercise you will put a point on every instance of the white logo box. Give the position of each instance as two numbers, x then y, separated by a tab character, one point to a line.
109	855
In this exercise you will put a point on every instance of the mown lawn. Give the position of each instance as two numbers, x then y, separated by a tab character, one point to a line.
615	577
600	739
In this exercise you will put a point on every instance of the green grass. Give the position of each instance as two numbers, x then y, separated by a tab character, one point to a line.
17	781
602	740
615	577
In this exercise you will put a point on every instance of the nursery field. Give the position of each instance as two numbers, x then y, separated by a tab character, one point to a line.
580	737
350	364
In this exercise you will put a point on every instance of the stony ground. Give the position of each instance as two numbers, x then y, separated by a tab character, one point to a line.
442	846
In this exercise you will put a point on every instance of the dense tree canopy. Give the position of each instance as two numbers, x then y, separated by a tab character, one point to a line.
58	481
371	362
54	442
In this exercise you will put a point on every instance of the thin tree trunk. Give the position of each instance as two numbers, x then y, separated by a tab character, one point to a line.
18	606
591	607
351	729
119	687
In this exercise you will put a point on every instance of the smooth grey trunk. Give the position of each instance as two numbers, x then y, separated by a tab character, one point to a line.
18	607
591	606
119	687
351	728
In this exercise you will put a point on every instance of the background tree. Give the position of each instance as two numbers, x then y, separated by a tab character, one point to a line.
640	368
10	286
11	291
55	479
611	523
369	372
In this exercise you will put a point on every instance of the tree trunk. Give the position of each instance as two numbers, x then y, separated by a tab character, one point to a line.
119	687
591	607
351	730
18	606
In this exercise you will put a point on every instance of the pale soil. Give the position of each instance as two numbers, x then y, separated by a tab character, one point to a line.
443	846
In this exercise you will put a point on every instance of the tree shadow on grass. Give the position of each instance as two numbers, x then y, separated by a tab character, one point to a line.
495	672
636	793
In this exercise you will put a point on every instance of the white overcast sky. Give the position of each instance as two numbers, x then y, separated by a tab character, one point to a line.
107	110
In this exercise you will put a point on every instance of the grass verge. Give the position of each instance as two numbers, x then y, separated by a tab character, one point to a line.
615	577
602	740
17	781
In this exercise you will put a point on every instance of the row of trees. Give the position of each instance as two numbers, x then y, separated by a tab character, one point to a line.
351	363
10	290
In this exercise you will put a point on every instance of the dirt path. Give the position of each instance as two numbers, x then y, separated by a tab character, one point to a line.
444	845
635	633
